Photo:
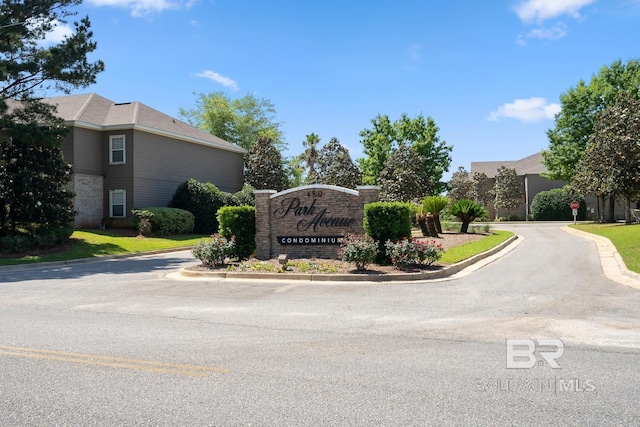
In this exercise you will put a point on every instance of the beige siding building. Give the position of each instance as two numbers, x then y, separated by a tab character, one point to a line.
128	155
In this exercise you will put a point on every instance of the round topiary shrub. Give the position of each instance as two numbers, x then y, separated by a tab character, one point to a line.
553	205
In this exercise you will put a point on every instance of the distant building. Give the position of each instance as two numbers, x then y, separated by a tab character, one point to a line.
530	172
128	155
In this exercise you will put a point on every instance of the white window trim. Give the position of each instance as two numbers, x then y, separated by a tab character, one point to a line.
124	203
124	149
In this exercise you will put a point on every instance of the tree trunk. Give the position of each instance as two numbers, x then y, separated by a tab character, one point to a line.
600	212
436	216
431	225
611	215
422	222
465	226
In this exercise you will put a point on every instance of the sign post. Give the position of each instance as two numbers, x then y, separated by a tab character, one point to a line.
574	205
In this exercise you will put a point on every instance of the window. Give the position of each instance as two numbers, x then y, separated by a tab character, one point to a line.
116	150
117	203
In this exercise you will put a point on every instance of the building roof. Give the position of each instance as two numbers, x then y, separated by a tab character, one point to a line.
96	112
530	165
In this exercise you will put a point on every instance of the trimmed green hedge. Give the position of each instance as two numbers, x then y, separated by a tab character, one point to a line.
239	222
553	205
387	221
164	221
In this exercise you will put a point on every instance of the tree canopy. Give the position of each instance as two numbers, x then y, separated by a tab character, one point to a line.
610	163
404	177
264	166
335	167
418	133
241	121
579	106
33	174
507	190
26	64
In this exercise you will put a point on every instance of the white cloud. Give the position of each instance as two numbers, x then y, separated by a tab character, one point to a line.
542	10
224	81
551	33
526	110
145	7
60	31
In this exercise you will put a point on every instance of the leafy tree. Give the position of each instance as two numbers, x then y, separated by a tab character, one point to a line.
31	200
294	170
609	167
33	175
378	143
481	191
422	135
241	121
310	155
507	190
264	170
460	185
335	166
580	104
418	133
404	177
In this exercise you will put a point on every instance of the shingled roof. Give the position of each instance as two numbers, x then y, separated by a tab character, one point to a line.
530	165
96	112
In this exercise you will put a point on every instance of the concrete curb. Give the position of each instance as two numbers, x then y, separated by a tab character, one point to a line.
613	265
318	277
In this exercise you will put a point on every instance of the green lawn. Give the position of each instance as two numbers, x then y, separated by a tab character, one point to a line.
626	239
96	243
467	250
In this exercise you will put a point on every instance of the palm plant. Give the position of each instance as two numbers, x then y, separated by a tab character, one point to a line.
435	204
467	211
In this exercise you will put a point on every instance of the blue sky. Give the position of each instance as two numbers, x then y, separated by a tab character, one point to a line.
490	73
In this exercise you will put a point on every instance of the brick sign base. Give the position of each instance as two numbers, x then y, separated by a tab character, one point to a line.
309	221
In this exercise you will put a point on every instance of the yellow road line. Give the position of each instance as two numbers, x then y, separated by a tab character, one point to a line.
115	362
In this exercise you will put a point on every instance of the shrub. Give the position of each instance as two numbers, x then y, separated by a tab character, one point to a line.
412	251
213	252
553	205
359	249
239	221
467	211
387	221
164	221
244	197
36	236
203	201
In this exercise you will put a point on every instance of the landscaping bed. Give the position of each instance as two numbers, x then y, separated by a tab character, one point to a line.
334	266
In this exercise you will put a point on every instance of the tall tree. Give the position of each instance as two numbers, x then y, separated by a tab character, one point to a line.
240	121
460	185
610	164
378	143
419	134
335	166
32	171
481	191
423	137
507	190
310	155
264	166
404	177
580	104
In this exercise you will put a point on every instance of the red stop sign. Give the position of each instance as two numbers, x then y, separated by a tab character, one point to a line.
574	204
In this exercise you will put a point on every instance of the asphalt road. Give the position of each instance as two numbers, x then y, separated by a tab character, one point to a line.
127	343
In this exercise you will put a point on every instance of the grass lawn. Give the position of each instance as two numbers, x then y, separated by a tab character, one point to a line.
467	250
96	243
626	239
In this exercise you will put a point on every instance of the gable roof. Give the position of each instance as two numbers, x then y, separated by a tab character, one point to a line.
530	165
93	111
